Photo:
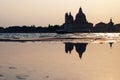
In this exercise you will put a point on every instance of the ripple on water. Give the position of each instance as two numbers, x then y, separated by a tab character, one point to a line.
12	67
22	76
2	77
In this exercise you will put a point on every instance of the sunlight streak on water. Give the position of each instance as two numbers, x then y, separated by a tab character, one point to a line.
74	37
54	35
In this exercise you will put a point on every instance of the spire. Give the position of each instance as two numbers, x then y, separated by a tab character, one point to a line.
80	10
110	19
69	13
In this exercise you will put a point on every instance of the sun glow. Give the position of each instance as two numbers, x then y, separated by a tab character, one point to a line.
42	12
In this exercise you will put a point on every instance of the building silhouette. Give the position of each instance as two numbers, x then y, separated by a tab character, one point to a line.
79	47
71	25
111	27
79	24
105	27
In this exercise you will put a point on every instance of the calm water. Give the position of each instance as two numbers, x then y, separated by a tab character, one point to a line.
61	60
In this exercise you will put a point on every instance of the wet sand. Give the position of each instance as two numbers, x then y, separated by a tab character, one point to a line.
48	61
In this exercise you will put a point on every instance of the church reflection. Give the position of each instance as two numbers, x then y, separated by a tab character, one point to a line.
111	44
80	48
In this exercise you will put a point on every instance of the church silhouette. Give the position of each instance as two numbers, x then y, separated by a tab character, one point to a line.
79	47
79	24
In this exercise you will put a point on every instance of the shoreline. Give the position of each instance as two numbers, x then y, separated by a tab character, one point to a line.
77	40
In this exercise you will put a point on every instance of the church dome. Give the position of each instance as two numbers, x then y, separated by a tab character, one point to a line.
80	17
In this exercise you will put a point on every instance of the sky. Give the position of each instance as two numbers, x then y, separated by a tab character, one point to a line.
45	12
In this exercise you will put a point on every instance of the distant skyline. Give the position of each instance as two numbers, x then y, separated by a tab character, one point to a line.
45	12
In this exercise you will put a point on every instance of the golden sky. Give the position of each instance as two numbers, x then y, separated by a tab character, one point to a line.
44	12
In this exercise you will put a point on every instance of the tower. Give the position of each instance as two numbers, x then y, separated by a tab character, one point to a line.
111	27
69	18
66	18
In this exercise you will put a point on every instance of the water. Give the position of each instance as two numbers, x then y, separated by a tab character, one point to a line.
75	37
70	57
55	35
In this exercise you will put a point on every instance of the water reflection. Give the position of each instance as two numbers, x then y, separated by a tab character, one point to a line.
111	44
44	61
80	48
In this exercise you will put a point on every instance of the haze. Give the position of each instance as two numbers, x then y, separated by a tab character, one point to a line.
44	12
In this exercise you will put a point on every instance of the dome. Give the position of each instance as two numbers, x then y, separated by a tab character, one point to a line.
80	17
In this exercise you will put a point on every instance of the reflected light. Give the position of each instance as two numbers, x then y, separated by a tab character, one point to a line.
111	78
